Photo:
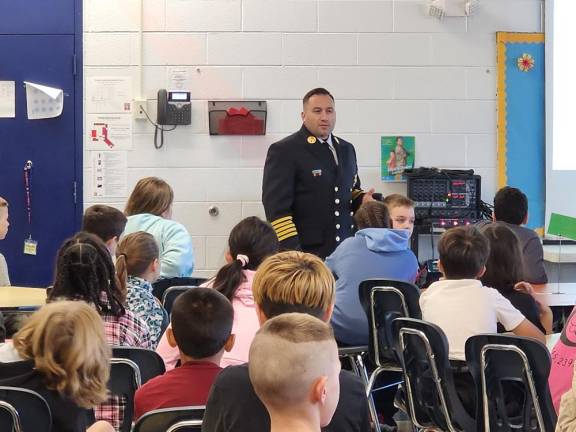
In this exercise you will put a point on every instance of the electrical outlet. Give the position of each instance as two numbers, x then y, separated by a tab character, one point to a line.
139	106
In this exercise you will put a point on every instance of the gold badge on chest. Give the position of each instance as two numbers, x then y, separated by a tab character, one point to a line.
311	139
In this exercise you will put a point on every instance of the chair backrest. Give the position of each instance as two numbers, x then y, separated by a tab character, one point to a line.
169	296
162	285
23	410
124	381
149	362
511	375
184	418
384	300
431	394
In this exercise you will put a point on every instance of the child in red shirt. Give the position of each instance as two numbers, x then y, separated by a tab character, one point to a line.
201	329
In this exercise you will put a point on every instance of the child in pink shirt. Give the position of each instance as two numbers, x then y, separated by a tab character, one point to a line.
563	356
250	242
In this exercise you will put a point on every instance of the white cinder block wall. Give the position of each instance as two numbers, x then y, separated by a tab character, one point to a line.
392	68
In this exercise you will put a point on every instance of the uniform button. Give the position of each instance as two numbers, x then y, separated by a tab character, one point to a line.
351	226
350	201
337	226
350	189
335	188
337	238
351	213
337	201
336	213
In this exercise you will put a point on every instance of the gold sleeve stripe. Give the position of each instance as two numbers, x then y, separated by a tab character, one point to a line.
356	193
289	234
281	232
278	227
280	220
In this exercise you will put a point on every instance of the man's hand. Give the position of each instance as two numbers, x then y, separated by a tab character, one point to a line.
368	196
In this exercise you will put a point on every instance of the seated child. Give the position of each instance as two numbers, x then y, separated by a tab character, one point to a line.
511	208
137	264
563	361
4	224
84	271
567	409
459	304
376	251
105	222
294	368
401	210
201	325
505	272
67	363
250	242
286	282
149	208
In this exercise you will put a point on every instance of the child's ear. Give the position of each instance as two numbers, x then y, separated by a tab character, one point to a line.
228	256
156	265
230	343
440	266
318	391
171	338
261	317
481	272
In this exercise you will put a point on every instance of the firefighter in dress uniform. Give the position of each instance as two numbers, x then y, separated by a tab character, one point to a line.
311	187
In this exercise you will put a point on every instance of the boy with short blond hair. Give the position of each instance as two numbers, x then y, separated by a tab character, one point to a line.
287	282
401	210
294	368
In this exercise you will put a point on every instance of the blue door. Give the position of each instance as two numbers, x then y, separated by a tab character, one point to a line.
53	145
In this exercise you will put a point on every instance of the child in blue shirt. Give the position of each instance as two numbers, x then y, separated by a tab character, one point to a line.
375	252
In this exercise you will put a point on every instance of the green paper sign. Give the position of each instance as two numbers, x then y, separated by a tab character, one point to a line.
564	226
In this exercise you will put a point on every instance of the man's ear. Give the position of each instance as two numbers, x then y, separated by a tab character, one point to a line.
230	342
170	337
318	390
302	115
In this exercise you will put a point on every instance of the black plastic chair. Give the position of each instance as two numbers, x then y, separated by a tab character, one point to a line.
511	375
162	285
124	381
171	419
383	301
431	396
149	362
23	410
170	295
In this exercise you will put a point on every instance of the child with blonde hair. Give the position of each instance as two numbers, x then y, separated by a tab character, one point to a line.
68	363
294	368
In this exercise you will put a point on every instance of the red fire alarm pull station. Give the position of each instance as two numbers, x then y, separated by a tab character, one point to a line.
237	117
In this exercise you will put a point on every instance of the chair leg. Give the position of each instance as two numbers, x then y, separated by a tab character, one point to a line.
371	405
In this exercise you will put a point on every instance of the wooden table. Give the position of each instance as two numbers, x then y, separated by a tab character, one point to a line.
21	298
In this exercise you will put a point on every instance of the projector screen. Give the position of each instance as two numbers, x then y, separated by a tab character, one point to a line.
560	108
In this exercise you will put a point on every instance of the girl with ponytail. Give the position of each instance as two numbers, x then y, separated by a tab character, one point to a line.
250	242
138	266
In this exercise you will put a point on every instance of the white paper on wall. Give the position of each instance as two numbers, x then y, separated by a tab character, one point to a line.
109	174
43	102
108	132
7	99
111	94
179	78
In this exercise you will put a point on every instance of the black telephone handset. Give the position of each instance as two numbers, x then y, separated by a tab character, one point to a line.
174	108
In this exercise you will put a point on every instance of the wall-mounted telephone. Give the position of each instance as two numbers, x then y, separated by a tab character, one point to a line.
174	108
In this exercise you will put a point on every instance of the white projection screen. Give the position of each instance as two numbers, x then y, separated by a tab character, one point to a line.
560	108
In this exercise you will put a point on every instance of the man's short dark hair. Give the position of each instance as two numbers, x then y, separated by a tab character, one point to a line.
510	205
201	322
104	221
463	252
314	92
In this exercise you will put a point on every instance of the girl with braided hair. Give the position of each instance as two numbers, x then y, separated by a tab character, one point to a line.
85	271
